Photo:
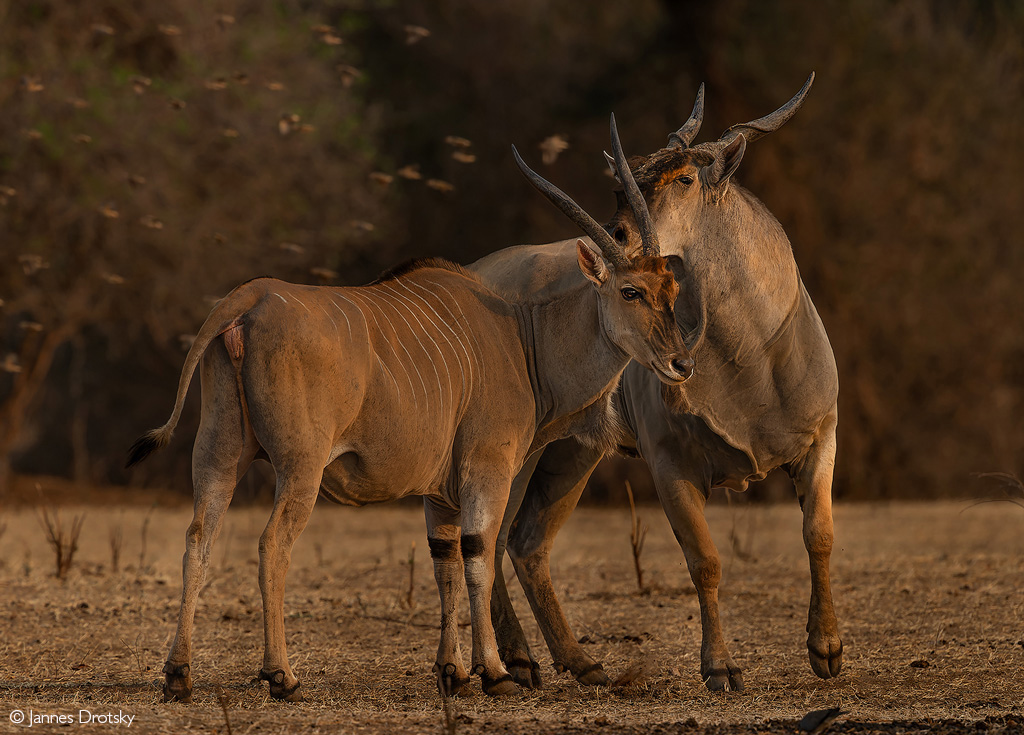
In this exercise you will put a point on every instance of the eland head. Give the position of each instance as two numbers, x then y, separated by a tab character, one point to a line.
637	293
685	183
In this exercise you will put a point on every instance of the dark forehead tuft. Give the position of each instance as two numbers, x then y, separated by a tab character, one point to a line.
664	166
653	266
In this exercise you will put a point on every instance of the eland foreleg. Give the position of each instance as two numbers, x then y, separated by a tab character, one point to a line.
683	502
443	534
483	504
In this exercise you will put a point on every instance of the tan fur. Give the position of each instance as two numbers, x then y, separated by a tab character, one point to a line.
422	383
764	395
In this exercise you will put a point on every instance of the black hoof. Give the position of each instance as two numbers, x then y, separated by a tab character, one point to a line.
278	690
723	679
177	683
449	683
826	664
593	675
500	687
524	672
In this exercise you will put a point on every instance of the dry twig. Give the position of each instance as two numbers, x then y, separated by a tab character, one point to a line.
64	543
145	535
637	536
135	652
223	701
412	572
448	704
115	535
735	542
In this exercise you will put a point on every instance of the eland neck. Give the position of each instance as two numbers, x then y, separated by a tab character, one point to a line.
574	366
738	248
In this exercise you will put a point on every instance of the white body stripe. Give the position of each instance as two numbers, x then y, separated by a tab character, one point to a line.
366	325
464	320
405	300
329	317
445	325
347	322
371	306
397	389
426	352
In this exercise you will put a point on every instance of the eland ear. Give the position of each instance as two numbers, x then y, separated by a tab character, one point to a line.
718	173
591	264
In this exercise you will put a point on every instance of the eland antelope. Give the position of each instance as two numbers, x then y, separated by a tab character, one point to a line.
763	396
424	382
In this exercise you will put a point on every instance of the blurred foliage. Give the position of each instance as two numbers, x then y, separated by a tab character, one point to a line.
153	156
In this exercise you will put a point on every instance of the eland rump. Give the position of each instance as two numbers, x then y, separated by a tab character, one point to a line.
764	395
423	383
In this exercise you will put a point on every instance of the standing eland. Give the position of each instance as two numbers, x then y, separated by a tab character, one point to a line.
764	395
424	382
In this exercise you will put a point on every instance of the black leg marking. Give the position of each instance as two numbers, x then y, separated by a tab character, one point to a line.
441	548
472	545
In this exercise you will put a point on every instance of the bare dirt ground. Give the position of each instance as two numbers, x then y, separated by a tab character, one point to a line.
930	599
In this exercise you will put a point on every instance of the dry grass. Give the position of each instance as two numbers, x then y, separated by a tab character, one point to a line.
935	583
63	541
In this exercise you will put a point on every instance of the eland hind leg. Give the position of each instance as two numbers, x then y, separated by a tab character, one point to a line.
303	393
813	479
224	449
553	492
296	493
443	533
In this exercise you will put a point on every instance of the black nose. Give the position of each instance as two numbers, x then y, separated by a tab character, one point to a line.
683	366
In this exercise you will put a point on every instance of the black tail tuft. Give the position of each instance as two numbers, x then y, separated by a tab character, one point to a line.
141	449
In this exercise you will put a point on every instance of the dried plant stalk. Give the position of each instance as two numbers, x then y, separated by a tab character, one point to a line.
412	573
223	702
115	536
64	542
144	533
637	536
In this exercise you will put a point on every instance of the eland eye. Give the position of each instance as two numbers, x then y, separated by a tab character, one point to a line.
630	294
